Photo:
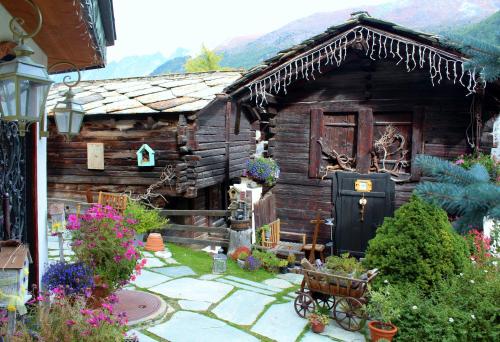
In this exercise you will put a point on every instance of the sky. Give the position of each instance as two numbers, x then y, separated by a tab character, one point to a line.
148	26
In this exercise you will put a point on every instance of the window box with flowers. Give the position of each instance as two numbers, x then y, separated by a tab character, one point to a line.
263	170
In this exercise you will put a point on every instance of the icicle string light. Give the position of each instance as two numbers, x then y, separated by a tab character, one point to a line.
377	44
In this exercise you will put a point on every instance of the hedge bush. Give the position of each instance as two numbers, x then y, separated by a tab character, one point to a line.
417	245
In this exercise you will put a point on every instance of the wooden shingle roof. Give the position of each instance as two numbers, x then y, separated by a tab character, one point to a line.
166	93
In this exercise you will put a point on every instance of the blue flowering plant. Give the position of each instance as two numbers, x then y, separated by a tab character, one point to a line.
263	170
73	278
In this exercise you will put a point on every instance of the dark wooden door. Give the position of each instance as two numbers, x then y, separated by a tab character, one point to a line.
352	234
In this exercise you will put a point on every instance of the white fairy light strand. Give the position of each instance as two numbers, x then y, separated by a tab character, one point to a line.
378	44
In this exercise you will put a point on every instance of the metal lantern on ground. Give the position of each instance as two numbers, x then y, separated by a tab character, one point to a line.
24	84
219	263
68	115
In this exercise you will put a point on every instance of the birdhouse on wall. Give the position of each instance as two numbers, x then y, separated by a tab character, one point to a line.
14	271
145	156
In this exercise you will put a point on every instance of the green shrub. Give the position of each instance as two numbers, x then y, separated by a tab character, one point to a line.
417	245
147	219
461	308
269	260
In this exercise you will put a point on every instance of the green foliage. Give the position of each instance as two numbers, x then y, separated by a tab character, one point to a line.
417	245
344	265
201	263
481	43
381	304
207	60
269	260
318	317
469	160
258	234
263	170
460	308
147	219
469	194
291	258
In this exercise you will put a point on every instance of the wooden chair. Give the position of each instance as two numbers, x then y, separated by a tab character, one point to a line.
275	243
117	202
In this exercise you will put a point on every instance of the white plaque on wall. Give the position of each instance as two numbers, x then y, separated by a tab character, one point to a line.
95	156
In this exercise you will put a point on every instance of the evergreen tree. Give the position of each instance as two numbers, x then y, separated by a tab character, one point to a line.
207	60
468	194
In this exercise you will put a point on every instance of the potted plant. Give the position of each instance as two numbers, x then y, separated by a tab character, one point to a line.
318	321
145	219
104	241
291	258
383	309
242	257
263	170
283	266
270	262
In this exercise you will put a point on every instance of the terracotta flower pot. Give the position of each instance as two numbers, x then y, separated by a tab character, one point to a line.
380	330
317	327
154	243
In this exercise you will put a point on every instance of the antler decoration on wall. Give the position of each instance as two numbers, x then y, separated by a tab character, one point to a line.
383	151
378	44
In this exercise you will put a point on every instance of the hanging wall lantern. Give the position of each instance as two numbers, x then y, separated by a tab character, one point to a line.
68	113
24	84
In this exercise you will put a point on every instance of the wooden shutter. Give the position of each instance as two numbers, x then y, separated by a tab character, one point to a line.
314	148
365	140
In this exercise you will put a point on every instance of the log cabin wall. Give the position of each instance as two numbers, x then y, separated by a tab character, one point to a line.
341	95
69	176
224	142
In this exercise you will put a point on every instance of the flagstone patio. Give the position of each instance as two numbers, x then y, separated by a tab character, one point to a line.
208	307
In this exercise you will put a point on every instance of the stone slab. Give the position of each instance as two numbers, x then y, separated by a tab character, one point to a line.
153	262
163	254
293	278
277	282
142	337
175	271
193	327
149	279
280	323
255	284
246	287
335	332
242	307
193	305
193	289
171	261
210	276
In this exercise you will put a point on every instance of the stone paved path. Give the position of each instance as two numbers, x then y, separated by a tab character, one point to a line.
207	307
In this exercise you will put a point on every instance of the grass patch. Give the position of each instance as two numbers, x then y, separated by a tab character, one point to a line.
201	263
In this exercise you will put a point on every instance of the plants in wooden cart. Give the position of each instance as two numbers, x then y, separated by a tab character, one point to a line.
318	321
344	265
263	170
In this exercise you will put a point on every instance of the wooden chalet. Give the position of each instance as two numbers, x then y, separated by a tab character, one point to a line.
355	105
178	120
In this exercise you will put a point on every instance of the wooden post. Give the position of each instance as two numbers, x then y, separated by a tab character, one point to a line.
314	147
417	140
318	221
365	140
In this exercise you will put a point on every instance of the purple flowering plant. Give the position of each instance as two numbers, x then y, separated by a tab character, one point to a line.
252	263
74	278
263	170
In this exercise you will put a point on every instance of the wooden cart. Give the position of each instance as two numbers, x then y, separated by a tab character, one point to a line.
344	296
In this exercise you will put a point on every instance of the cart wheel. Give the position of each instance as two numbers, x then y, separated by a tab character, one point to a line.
349	313
325	302
304	304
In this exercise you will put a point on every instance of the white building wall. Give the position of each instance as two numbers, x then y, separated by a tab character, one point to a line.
39	57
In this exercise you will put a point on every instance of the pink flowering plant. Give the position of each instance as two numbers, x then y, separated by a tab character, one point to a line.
479	246
56	317
104	240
